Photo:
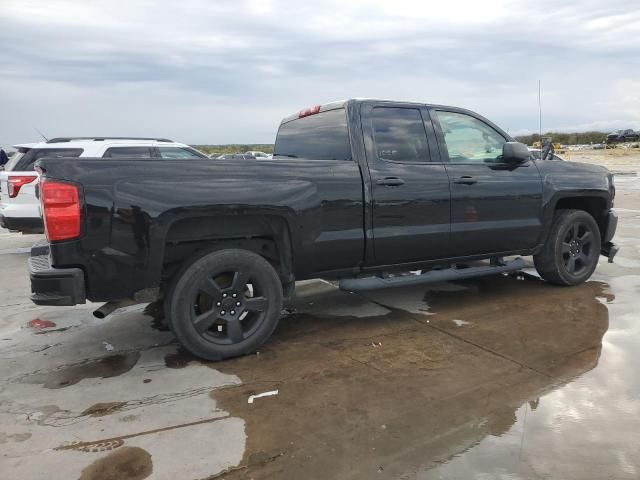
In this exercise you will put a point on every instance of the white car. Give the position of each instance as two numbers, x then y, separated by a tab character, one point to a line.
259	155
19	207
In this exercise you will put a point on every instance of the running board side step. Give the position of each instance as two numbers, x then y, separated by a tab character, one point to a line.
374	283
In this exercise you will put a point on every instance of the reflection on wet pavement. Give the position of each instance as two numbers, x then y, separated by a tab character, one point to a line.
110	366
395	394
132	463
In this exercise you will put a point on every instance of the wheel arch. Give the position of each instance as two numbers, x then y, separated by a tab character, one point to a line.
190	237
594	202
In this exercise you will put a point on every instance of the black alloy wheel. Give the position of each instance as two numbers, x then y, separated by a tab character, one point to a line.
570	254
228	307
577	248
224	304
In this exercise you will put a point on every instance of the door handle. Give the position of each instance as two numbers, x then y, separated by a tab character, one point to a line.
390	181
465	180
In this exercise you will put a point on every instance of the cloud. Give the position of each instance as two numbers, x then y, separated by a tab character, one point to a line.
127	67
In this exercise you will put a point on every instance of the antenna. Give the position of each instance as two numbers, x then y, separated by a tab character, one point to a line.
540	110
545	150
41	134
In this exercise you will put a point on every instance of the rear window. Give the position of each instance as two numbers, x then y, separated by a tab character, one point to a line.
323	136
399	134
179	153
24	159
128	152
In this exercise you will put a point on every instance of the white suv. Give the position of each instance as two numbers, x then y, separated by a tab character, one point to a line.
19	207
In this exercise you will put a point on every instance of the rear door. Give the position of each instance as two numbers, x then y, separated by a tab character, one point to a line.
312	156
495	207
178	153
409	184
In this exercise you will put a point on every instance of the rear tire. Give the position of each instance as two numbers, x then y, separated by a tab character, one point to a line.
224	304
571	253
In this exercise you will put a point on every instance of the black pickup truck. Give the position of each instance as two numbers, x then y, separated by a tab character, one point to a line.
622	136
357	191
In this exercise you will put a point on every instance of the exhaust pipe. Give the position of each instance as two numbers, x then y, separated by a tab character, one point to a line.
109	307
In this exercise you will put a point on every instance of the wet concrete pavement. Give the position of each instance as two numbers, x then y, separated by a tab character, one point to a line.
500	377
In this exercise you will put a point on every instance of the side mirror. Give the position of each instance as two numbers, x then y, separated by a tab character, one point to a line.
515	152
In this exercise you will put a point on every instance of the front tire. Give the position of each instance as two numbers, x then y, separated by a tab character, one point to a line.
225	304
571	253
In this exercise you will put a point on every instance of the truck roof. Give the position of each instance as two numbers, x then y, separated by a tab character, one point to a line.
342	104
319	108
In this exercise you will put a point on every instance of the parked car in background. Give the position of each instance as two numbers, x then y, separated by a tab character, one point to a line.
259	155
19	207
236	156
627	135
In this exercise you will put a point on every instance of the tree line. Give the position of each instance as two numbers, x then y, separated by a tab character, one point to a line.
581	138
235	148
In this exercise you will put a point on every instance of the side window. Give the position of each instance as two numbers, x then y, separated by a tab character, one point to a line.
321	136
470	140
399	134
128	152
26	162
178	152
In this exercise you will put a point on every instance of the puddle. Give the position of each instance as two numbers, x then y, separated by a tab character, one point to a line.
179	359
125	463
155	310
106	367
584	428
423	396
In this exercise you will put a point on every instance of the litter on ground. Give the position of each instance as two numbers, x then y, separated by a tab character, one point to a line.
260	395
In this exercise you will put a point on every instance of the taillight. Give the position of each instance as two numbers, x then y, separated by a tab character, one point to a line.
15	182
60	209
309	111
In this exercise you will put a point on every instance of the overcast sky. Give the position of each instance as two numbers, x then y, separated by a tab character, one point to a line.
226	72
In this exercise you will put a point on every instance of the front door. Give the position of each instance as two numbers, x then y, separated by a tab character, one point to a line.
495	207
410	214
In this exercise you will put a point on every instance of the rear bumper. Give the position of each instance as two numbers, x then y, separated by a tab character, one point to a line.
22	224
54	286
